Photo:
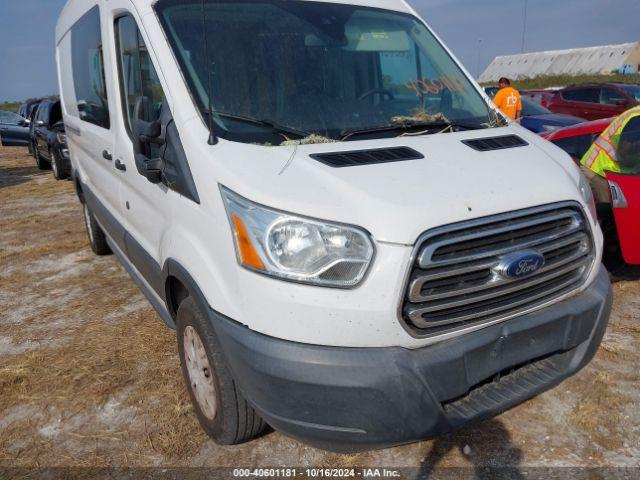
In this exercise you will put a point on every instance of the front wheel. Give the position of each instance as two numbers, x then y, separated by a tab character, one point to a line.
41	163
222	411
97	238
58	172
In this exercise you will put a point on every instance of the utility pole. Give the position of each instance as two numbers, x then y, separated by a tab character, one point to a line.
479	56
524	25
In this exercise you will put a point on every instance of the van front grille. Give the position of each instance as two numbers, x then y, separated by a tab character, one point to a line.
458	276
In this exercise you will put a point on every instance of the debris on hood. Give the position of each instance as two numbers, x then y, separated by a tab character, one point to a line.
419	116
310	140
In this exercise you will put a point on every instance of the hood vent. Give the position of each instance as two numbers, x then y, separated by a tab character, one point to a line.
495	143
354	158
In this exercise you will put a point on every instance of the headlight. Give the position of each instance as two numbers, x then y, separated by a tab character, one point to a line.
294	248
587	195
62	138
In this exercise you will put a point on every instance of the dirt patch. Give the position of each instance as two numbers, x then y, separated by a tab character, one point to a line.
89	376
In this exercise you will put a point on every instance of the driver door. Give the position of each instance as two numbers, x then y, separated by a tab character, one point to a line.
627	213
146	208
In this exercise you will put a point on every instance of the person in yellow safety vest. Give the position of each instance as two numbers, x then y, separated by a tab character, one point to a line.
616	150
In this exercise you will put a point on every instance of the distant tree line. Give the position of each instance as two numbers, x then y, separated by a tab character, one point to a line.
15	106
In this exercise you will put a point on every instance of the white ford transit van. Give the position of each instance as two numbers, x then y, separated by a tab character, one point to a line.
352	245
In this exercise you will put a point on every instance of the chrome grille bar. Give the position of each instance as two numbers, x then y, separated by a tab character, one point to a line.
426	254
417	285
513	287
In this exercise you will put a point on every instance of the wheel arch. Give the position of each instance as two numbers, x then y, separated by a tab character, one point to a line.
179	285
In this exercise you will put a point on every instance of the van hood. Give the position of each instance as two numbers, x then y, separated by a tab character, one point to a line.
397	202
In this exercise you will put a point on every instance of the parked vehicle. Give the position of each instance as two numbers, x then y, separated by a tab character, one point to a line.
540	120
13	130
623	246
27	107
537	118
577	139
619	213
26	111
491	91
50	141
337	261
540	96
595	101
32	140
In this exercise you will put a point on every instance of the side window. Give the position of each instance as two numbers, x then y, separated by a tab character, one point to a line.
43	112
138	77
588	95
612	97
56	114
9	118
88	70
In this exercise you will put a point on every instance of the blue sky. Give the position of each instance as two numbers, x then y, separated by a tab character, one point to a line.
27	33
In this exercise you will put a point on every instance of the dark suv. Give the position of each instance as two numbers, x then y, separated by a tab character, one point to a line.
596	100
27	110
50	142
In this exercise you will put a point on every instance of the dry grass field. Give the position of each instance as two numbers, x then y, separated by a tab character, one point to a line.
89	375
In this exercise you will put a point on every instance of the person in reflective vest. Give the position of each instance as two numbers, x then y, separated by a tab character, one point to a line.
616	150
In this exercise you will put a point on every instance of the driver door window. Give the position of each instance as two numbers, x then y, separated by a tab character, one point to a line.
138	77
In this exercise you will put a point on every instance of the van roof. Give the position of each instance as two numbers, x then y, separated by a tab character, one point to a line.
74	9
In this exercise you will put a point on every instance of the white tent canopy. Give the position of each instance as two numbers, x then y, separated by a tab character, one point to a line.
577	61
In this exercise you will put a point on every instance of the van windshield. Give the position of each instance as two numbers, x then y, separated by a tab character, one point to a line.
287	68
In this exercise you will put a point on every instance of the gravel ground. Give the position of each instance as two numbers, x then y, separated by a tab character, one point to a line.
89	376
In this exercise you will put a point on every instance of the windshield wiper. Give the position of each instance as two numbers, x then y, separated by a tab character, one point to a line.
274	126
407	126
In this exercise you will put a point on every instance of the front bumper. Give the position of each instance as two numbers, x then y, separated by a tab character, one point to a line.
351	399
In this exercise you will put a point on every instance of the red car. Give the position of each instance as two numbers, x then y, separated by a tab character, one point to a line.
620	217
541	96
595	101
577	139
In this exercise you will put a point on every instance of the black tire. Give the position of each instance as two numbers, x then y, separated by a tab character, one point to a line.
234	420
58	172
97	238
41	163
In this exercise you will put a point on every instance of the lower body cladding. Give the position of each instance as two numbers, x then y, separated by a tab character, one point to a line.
354	399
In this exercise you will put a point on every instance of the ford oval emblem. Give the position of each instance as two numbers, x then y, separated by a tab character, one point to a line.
520	264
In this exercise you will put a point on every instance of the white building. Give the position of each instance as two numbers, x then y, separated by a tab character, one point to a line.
577	61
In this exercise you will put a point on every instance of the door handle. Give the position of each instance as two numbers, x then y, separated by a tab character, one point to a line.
106	154
121	166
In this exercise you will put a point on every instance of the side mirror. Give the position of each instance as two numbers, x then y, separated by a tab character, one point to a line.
25	122
145	132
150	169
622	102
39	123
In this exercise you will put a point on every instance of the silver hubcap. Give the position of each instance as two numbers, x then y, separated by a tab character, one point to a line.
87	221
54	165
200	373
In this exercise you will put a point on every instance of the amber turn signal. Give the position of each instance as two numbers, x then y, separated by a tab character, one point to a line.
248	254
